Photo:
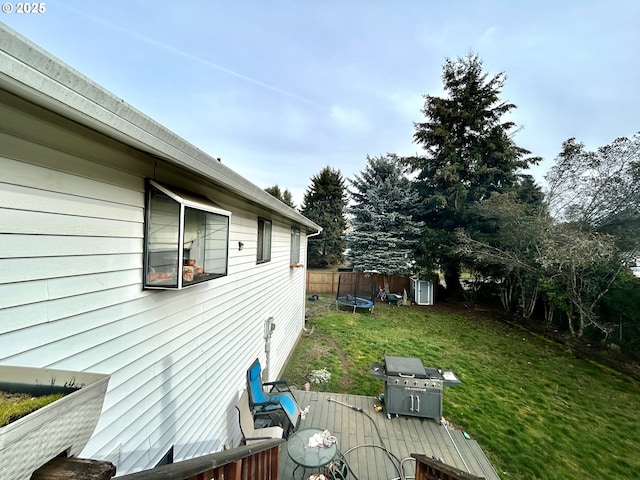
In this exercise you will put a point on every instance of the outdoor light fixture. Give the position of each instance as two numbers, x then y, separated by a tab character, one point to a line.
240	245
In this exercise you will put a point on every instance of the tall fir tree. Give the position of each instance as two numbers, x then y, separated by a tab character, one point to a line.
469	154
384	234
324	202
284	196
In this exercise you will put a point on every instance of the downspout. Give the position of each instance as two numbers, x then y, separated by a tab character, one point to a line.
308	237
315	234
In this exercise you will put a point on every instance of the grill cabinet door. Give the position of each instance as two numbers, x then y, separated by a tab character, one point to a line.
431	404
402	397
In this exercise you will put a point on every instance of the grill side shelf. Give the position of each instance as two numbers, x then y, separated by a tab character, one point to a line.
450	378
378	371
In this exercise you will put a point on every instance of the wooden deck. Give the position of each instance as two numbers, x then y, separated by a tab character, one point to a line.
359	442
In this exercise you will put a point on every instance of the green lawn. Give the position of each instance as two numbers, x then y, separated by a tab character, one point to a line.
537	411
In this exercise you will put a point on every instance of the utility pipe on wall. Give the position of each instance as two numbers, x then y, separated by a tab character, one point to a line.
269	327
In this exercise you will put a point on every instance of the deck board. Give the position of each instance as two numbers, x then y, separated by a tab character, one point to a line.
356	434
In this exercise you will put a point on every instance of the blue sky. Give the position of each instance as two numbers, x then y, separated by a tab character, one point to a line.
280	89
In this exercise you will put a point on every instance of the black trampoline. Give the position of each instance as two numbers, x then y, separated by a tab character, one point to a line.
355	292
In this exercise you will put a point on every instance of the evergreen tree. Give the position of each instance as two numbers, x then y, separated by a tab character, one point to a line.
285	197
324	203
469	155
384	234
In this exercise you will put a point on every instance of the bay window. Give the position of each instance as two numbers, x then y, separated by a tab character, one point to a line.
186	238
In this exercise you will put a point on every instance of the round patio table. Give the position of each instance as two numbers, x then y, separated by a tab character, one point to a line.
305	456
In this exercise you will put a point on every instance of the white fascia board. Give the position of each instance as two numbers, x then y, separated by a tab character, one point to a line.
31	73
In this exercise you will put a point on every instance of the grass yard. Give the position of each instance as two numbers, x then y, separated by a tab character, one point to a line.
537	411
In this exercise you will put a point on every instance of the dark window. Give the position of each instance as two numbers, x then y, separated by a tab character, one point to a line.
264	240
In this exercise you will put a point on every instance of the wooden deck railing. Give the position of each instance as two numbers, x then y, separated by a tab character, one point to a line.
430	469
258	461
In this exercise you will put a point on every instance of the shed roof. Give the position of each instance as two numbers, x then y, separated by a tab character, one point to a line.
32	73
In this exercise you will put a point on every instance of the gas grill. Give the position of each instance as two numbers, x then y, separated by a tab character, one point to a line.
410	388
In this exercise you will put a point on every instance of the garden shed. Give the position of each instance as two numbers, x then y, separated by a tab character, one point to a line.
421	291
127	251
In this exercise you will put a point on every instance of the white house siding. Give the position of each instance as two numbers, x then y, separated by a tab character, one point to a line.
71	297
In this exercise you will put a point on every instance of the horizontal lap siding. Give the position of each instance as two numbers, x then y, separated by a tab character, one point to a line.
71	244
270	289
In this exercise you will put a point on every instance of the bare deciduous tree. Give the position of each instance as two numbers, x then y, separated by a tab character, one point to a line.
580	268
599	190
510	252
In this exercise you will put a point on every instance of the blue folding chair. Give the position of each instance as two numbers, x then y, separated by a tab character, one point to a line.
277	400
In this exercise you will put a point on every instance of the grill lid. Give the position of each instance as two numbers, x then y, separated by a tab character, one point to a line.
404	366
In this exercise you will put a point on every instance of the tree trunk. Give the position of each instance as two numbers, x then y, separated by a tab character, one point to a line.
506	294
581	325
570	323
452	281
548	312
528	302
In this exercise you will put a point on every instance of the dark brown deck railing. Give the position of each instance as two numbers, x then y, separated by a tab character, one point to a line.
258	461
430	469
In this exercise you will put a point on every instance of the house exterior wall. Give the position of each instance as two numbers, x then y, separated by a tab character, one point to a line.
71	297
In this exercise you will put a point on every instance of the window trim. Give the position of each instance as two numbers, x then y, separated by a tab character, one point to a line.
263	251
184	200
191	199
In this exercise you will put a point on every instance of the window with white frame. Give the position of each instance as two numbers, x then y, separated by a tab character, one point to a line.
186	238
295	246
264	240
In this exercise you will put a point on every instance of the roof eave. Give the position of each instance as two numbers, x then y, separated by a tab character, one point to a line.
35	75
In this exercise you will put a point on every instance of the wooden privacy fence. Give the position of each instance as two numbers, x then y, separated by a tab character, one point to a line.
323	281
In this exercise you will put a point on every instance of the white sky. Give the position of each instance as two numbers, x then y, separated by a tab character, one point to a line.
280	89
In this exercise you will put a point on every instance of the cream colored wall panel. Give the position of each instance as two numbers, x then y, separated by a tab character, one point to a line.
27	175
241	261
25	293
95	282
36	223
104	339
177	364
71	306
27	269
26	198
50	139
28	315
162	359
28	246
134	336
20	319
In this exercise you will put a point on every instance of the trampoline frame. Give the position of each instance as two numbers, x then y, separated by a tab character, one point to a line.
355	297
